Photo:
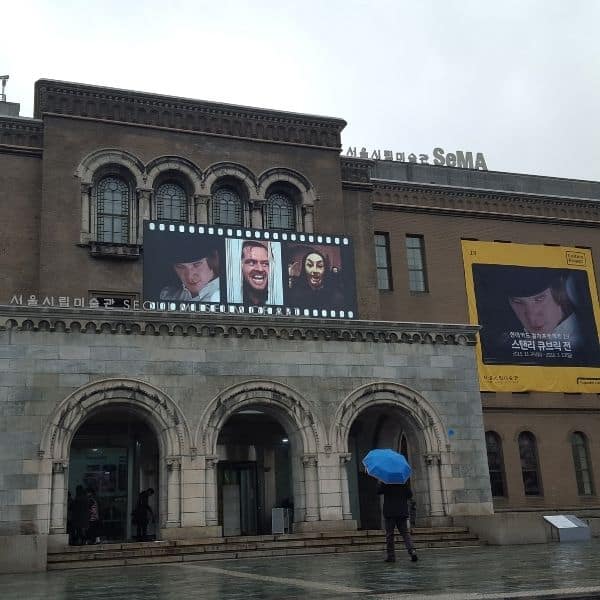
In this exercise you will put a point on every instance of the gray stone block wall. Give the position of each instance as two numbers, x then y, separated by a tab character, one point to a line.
40	369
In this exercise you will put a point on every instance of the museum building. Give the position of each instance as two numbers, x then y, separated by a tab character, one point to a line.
227	412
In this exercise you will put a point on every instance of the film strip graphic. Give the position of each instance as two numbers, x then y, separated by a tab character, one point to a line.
257	234
247	234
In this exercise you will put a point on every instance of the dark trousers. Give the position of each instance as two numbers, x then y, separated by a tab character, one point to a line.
142	530
401	523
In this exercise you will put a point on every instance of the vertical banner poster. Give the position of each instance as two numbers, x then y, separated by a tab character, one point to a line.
204	268
537	307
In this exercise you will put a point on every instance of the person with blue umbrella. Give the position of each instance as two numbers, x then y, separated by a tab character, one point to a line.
392	471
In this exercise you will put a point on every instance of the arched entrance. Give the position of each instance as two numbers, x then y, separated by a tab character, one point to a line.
114	455
390	415
381	426
254	471
81	418
264	439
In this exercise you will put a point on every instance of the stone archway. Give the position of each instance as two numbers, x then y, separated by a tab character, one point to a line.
152	406
295	415
433	441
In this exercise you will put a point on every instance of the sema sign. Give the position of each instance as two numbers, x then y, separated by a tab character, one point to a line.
459	159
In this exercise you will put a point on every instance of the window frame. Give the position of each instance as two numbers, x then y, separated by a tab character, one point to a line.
499	473
387	268
535	459
185	208
242	209
268	218
422	269
127	218
584	445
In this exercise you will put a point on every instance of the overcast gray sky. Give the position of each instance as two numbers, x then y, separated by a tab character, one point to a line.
518	80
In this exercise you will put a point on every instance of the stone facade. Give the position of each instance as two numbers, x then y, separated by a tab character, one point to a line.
187	378
336	388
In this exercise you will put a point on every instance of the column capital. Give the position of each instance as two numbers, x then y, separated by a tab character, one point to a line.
211	461
345	457
173	464
86	187
60	466
432	458
144	193
309	460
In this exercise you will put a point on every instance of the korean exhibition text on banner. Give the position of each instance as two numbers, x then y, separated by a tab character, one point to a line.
537	307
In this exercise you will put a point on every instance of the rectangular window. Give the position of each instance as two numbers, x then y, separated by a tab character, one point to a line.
415	258
382	259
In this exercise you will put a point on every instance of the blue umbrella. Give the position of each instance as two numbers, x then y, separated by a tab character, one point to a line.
387	465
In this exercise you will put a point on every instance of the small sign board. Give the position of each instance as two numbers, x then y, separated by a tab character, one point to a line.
568	528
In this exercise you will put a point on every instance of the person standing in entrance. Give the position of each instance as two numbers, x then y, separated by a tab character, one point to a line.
395	513
141	514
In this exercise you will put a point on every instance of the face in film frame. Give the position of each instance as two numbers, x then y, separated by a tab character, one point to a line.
535	316
317	277
182	266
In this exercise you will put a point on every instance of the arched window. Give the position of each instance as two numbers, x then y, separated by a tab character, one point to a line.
280	212
529	464
171	202
493	443
227	207
112	210
581	459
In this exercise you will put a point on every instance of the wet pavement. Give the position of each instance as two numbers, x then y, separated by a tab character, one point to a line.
486	572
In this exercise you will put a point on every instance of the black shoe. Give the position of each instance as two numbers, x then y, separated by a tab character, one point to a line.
413	556
390	559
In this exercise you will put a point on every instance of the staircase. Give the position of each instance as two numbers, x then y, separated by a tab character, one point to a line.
123	554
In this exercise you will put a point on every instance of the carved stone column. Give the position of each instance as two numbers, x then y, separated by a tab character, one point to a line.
308	214
311	487
256	214
58	498
173	492
436	500
201	203
86	221
144	211
346	510
211	490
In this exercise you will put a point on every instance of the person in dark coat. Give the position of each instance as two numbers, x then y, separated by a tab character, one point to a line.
395	513
80	516
142	513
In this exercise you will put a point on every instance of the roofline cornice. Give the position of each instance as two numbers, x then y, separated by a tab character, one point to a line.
115	322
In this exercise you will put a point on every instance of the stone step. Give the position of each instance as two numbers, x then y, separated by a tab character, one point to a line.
237	544
121	554
207	556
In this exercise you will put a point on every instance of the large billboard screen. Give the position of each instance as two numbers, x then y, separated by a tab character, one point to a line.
537	307
205	268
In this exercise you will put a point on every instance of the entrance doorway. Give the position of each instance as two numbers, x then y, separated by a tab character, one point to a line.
378	427
254	472
114	454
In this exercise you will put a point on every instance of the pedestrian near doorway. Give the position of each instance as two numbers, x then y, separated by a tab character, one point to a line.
93	532
143	513
395	514
81	516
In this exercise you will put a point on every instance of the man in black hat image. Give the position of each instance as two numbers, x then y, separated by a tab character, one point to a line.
539	299
195	262
533	315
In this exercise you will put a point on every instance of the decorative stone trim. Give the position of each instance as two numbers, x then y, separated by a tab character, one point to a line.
452	201
108	250
21	132
356	170
30	318
138	108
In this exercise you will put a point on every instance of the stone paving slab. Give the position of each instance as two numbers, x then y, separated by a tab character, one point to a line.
543	572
